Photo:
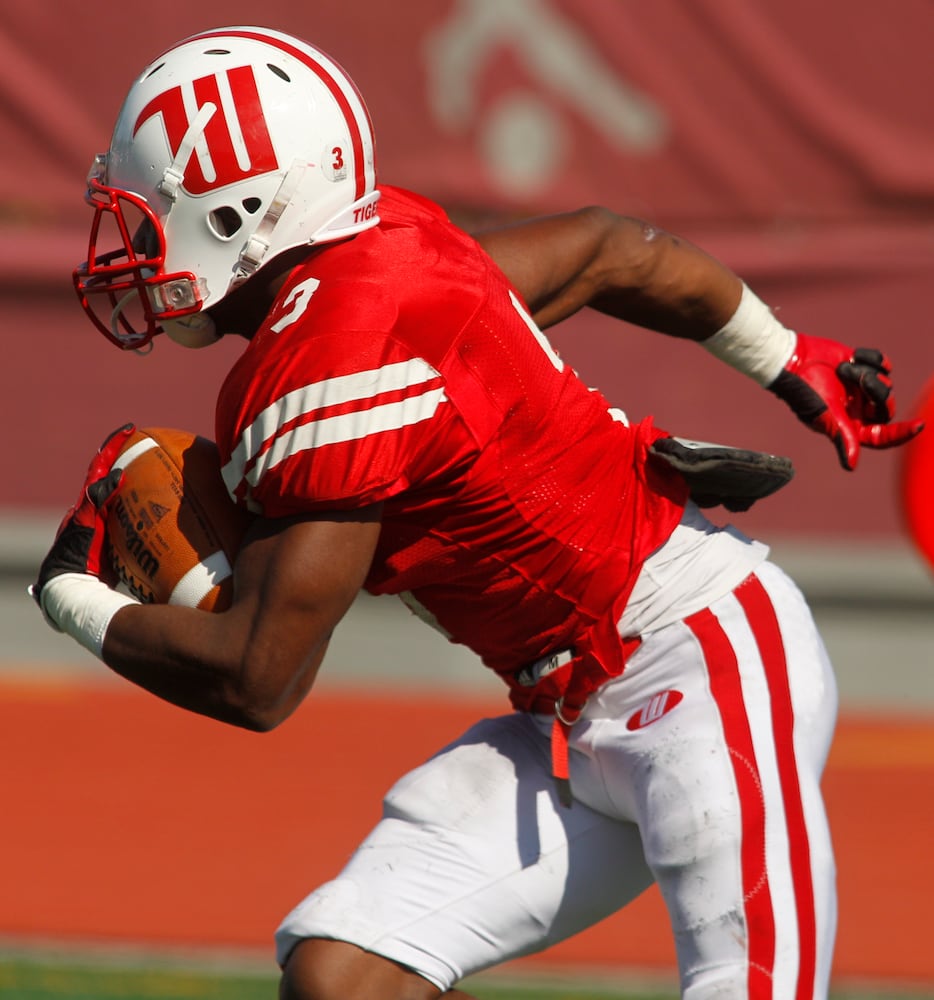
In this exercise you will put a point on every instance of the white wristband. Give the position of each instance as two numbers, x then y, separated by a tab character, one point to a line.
753	341
81	606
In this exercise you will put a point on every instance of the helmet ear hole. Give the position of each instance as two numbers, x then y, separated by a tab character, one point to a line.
252	205
225	222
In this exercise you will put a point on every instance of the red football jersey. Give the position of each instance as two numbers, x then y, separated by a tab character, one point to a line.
399	366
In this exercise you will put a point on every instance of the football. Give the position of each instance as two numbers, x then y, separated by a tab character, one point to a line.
172	530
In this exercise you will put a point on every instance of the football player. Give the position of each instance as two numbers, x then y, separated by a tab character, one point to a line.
398	422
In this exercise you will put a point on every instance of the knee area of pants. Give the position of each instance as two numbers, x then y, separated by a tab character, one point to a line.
729	981
724	984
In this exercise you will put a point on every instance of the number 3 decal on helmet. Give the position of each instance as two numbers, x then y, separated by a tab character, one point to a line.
231	148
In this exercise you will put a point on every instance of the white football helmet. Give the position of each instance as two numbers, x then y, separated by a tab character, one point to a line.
232	147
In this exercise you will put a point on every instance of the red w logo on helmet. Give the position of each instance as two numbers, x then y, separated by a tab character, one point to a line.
235	150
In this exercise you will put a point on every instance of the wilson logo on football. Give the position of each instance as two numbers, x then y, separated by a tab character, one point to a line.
657	706
234	149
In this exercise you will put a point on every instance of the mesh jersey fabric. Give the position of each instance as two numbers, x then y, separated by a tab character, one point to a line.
400	367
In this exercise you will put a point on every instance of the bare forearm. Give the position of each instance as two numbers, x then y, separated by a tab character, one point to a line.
621	266
252	665
665	283
193	659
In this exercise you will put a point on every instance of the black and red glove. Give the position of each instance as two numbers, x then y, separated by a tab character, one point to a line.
79	542
845	394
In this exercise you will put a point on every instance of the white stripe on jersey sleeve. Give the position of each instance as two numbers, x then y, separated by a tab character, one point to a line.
360	387
348	427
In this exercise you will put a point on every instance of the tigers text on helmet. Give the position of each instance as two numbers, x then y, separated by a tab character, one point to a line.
233	146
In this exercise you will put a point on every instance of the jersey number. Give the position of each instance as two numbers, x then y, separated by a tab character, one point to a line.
295	305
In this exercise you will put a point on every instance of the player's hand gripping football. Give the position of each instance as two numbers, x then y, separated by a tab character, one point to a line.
79	542
845	394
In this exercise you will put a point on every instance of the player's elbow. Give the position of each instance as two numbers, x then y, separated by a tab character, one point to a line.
619	254
258	718
255	715
246	709
633	253
265	694
259	708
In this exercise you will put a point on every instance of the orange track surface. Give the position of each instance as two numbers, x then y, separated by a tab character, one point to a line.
126	820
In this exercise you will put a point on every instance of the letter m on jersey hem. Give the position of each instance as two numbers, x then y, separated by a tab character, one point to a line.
332	411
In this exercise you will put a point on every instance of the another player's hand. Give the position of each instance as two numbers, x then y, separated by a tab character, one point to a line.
79	542
845	394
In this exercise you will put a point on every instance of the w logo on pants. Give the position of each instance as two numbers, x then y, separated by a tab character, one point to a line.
658	705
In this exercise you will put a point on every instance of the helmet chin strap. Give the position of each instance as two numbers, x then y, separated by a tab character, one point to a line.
122	337
195	331
257	245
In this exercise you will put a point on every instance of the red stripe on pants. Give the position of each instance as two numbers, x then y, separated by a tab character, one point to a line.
761	615
725	686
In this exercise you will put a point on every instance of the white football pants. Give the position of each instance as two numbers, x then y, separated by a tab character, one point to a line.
699	769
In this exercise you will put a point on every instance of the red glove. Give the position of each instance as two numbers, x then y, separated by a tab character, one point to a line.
845	394
79	543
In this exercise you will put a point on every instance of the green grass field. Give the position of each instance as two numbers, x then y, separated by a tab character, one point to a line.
36	979
39	976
